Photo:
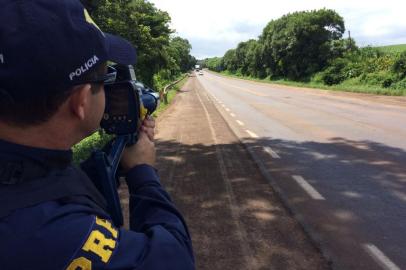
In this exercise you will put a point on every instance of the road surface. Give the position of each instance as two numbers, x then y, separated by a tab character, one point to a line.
274	177
236	220
338	161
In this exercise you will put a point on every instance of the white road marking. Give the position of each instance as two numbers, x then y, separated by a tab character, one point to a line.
223	105
239	122
271	152
227	109
233	115
235	211
380	258
252	134
308	188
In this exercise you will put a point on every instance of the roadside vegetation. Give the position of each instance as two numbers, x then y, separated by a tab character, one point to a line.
162	57
308	49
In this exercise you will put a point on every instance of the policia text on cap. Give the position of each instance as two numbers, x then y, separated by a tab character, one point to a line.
54	88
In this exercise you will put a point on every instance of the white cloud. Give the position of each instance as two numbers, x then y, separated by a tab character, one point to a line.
223	24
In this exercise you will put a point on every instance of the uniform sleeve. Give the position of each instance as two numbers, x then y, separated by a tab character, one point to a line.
158	238
153	214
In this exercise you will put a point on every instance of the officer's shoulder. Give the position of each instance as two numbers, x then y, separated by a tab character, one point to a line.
49	234
83	235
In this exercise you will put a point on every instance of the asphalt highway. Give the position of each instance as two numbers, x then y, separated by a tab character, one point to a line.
337	160
234	216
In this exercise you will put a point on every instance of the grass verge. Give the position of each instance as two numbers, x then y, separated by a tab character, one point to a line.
171	94
346	86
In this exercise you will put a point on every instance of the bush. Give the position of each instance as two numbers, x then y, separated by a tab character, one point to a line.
84	148
399	66
335	73
400	85
381	78
317	78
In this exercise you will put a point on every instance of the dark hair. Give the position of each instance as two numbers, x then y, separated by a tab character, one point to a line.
40	108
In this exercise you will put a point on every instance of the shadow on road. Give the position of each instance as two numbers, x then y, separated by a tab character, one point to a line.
238	222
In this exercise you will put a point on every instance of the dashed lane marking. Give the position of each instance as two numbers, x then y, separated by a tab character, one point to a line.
233	115
235	211
240	123
271	152
252	134
227	109
380	257
308	188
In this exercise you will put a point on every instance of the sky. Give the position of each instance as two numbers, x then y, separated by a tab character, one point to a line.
215	26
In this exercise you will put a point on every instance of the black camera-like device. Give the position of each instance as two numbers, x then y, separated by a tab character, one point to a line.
128	102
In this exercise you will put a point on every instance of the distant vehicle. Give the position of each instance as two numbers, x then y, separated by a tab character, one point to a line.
197	67
200	72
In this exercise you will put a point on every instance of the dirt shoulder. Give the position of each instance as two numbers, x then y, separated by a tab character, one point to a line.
234	216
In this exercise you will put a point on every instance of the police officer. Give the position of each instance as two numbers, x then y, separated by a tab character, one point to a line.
52	68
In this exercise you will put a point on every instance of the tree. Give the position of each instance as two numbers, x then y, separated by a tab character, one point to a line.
145	26
214	63
300	44
180	50
229	60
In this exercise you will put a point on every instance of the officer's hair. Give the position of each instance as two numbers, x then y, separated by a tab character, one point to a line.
40	109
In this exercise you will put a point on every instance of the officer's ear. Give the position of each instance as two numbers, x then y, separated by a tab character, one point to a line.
79	100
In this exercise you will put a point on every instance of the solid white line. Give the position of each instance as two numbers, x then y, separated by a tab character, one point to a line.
308	188
239	122
380	257
252	134
233	115
271	152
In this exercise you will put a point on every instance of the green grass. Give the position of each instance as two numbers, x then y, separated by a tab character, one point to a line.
393	48
171	94
83	149
346	86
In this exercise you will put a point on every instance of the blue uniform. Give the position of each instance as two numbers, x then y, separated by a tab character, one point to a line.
56	220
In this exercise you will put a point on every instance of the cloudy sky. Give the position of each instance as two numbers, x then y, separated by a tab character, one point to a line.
214	26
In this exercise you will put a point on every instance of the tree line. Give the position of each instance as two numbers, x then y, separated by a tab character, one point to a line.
309	46
161	56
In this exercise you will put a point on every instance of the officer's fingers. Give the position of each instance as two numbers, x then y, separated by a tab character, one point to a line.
149	125
150	132
143	137
149	122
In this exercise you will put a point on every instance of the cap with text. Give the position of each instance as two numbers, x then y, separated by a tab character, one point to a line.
46	45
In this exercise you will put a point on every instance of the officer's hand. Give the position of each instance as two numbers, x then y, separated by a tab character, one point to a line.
148	126
143	152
